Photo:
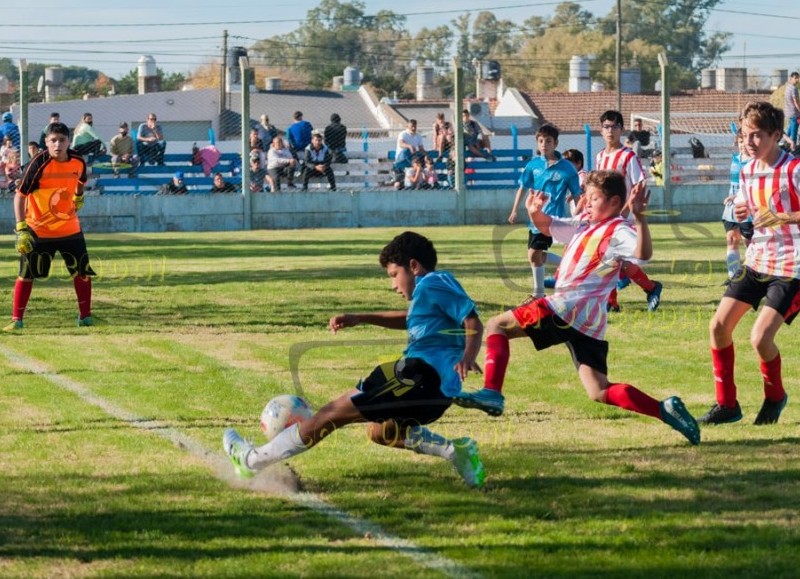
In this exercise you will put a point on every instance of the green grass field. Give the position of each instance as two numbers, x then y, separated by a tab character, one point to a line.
111	461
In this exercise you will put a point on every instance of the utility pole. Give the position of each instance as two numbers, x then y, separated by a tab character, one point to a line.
222	73
619	55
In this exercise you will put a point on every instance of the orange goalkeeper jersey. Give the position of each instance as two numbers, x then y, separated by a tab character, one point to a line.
50	187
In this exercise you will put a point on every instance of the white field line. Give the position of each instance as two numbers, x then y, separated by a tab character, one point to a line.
222	469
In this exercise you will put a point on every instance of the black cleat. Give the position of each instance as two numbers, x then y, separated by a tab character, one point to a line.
771	411
721	415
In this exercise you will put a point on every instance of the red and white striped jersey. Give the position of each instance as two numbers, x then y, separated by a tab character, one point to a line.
589	269
774	250
622	160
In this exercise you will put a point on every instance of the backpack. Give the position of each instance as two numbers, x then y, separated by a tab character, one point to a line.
698	149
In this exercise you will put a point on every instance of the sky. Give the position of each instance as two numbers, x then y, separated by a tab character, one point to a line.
183	35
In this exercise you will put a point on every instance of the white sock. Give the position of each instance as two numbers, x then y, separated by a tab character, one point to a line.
285	445
552	258
538	280
423	441
733	261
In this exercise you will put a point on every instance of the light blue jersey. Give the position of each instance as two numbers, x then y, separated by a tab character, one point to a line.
737	164
556	180
439	306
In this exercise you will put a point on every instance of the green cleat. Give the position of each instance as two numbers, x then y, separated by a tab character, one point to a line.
490	401
13	326
467	462
237	448
674	413
85	322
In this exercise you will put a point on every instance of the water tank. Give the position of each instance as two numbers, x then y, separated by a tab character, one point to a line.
424	75
234	54
426	87
146	65
780	77
631	80
732	79
54	76
490	70
272	83
579	80
338	82
708	78
352	77
598	86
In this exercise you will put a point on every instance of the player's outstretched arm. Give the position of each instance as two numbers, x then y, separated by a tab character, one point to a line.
534	204
637	203
394	320
473	331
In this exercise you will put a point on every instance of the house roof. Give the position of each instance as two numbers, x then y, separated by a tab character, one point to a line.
569	112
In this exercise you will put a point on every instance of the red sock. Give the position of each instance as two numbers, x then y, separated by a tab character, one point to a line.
639	277
722	361
495	362
612	299
83	289
773	383
22	293
631	398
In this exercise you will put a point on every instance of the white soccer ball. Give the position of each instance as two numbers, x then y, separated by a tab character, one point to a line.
281	412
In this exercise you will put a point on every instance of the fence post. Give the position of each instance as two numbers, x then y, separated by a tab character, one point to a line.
365	148
247	205
666	155
588	130
23	110
458	145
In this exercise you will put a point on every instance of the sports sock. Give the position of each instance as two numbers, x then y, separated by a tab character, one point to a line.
423	441
639	277
495	362
631	398
723	360
538	280
773	383
734	262
22	293
552	258
83	289
286	445
612	299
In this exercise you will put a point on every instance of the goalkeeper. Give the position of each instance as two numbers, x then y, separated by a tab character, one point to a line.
45	208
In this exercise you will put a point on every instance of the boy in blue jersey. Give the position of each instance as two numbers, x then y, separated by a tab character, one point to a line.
734	230
398	397
558	179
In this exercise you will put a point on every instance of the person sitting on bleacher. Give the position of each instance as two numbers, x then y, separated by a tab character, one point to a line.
474	140
176	186
280	163
298	135
336	139
443	135
258	172
85	140
221	185
318	162
150	141
121	147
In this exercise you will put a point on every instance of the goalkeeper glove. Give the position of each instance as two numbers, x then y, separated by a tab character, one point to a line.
24	238
78	202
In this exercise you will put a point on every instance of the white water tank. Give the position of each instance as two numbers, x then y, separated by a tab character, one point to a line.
272	83
426	89
352	77
780	77
54	76
579	80
146	65
732	79
631	80
708	78
598	86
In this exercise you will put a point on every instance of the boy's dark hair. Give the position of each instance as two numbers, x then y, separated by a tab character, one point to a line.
407	246
33	143
547	130
795	75
574	155
57	129
763	115
298	115
613	116
611	183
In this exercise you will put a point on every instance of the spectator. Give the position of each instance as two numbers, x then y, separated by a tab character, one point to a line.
256	144
791	108
33	150
5	148
657	168
12	169
280	163
298	135
639	139
318	162
151	142
258	172
443	136
336	139
85	140
54	118
430	175
176	186
208	157
414	175
121	147
475	141
9	129
266	132
409	145
222	186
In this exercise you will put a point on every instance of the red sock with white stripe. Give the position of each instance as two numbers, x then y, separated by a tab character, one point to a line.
495	362
631	398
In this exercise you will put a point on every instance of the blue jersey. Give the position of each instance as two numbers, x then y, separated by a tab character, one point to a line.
737	164
439	306
556	180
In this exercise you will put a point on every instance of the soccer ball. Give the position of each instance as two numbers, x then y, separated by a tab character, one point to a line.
281	412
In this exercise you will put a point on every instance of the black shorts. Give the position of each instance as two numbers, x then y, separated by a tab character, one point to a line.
783	294
546	329
539	240
745	228
36	264
406	391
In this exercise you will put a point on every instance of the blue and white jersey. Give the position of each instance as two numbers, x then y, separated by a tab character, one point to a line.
556	180
737	164
439	306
